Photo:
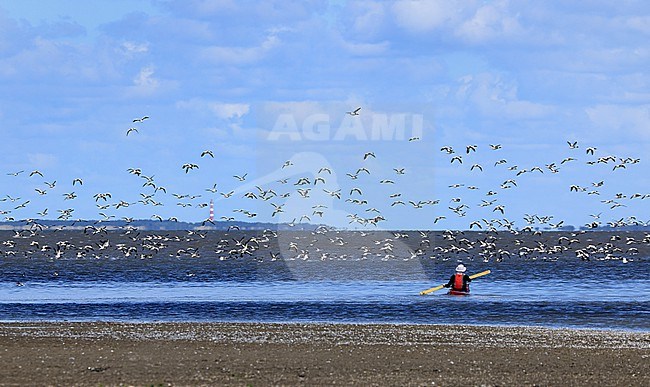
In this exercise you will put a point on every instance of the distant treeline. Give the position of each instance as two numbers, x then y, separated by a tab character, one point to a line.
147	224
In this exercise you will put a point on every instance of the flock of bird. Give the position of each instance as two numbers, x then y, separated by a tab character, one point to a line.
308	195
324	245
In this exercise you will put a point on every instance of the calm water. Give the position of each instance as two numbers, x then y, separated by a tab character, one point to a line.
341	287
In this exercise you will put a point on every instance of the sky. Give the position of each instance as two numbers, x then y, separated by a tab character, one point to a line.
267	91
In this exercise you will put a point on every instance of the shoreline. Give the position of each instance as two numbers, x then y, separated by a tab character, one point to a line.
188	353
326	322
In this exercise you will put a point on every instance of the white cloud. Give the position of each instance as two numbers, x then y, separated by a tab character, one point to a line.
427	15
223	110
42	160
300	109
212	6
144	82
192	104
369	20
240	55
490	21
129	47
494	97
637	23
228	111
217	133
238	150
367	49
471	21
633	120
38	58
274	117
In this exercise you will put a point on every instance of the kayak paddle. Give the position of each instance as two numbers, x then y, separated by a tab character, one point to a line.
481	274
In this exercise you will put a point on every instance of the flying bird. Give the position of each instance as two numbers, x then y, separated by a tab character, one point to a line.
23	205
103	196
277	209
447	149
336	194
213	189
355	112
500	208
357	190
362	170
475	223
187	167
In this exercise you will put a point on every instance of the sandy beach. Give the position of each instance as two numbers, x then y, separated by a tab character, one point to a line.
100	353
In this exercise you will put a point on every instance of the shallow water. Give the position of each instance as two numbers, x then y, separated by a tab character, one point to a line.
566	292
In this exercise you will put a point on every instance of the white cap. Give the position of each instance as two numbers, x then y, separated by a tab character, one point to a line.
460	268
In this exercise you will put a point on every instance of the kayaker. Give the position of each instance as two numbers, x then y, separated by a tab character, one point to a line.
460	281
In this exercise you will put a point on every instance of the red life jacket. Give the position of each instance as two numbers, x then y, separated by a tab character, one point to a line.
458	282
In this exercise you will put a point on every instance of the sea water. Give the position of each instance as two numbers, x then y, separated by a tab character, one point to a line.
564	292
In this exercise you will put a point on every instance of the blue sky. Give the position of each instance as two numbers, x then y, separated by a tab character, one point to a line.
264	85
